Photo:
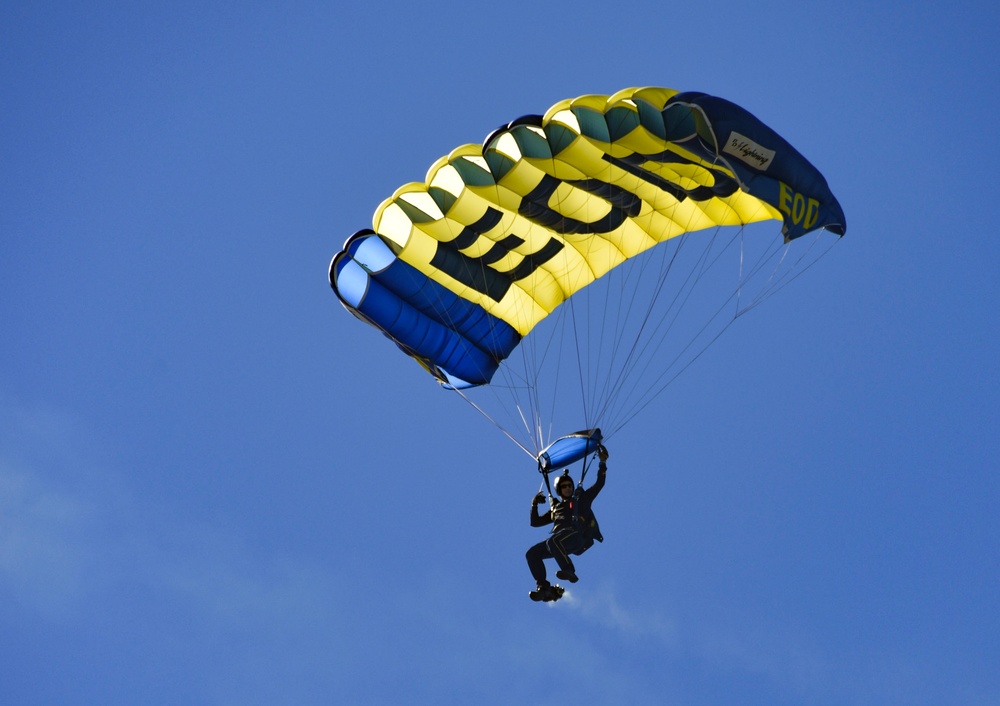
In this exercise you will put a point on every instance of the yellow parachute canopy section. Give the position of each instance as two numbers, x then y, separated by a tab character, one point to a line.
491	186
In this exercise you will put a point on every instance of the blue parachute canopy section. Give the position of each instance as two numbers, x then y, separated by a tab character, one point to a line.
569	449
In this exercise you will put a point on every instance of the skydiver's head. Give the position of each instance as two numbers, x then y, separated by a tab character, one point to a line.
564	486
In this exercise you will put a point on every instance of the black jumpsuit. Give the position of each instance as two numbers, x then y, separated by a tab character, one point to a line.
567	536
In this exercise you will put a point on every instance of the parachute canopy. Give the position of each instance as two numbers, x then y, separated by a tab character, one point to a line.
458	269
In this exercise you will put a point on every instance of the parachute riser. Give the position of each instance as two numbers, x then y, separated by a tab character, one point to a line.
586	464
545	474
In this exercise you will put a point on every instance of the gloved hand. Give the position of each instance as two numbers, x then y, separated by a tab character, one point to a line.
602	453
537	500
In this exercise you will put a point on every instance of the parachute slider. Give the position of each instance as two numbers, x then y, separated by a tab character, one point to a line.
569	449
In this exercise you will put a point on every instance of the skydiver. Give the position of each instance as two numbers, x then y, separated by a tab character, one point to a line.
574	530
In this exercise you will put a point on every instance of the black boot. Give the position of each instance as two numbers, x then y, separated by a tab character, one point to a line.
542	592
568	575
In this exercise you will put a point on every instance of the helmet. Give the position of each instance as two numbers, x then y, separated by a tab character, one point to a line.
564	478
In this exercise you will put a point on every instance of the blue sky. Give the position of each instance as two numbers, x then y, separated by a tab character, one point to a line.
218	487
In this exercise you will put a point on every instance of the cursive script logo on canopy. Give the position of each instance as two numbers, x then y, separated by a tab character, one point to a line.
748	151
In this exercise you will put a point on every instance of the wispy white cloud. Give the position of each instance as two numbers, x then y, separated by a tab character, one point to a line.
44	557
773	652
66	542
602	606
770	652
61	548
93	556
